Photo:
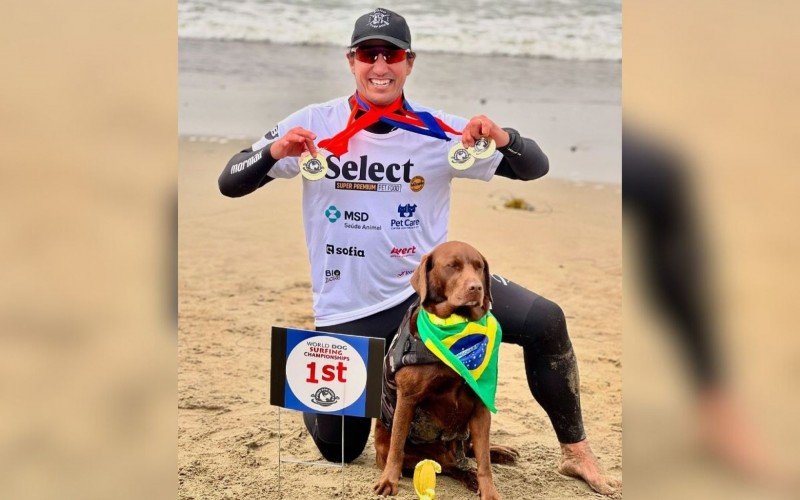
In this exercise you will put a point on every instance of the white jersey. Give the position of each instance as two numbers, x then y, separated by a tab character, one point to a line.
381	206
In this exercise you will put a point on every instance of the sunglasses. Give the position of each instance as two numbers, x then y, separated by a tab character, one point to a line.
370	55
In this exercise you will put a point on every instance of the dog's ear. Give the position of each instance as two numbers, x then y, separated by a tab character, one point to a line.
419	280
487	283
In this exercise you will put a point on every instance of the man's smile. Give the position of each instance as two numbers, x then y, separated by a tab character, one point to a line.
381	82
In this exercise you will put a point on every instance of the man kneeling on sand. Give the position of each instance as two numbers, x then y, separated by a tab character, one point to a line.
386	153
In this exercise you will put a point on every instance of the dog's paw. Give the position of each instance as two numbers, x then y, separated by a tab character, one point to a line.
499	454
386	485
468	477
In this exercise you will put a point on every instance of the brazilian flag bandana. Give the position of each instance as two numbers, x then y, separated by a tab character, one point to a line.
470	348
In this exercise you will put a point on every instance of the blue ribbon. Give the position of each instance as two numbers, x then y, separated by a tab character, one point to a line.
433	130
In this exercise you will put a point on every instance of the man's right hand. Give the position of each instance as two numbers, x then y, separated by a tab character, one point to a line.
294	143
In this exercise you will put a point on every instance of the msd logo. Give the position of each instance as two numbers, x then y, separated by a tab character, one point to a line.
403	252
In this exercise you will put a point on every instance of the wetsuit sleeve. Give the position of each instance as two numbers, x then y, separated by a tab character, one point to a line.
247	171
522	158
254	167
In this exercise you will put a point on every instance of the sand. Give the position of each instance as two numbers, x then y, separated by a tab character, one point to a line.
243	264
243	268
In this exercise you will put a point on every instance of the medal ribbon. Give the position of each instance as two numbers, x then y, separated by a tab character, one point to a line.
418	122
338	143
415	122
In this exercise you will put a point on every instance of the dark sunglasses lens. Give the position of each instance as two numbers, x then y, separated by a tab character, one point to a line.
370	55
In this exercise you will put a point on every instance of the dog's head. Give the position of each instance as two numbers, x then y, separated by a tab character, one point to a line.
454	279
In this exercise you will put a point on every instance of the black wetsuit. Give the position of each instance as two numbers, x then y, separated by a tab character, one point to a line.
528	320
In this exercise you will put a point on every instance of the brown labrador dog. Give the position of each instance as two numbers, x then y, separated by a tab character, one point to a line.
436	414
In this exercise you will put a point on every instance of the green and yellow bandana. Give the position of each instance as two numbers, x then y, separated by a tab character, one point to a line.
470	348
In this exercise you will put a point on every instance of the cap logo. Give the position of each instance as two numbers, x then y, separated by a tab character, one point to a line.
379	18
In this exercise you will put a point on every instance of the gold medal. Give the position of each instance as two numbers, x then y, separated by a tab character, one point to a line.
313	167
459	158
484	147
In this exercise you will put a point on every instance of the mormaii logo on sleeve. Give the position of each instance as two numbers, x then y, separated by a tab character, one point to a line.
238	167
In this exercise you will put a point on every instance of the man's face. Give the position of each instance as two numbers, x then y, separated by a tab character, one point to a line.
379	82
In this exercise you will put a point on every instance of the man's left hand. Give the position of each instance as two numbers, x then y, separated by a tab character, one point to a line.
481	126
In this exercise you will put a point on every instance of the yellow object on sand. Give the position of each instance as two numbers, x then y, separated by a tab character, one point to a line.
425	479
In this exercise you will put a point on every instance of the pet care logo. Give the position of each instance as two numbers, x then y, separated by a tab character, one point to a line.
379	18
332	214
406	210
367	175
348	251
406	213
324	397
403	252
332	275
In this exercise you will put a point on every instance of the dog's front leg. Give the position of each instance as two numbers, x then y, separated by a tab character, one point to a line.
403	413
479	431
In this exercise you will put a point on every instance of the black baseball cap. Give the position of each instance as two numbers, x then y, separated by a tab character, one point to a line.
382	24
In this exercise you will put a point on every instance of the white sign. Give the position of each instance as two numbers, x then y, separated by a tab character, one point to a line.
326	373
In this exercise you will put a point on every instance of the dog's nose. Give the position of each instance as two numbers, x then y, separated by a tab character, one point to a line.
475	286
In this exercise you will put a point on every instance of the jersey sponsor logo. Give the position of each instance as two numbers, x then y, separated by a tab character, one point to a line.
332	275
272	134
362	227
406	210
380	187
405	221
403	252
348	251
407	272
356	216
238	167
379	18
417	183
369	176
332	214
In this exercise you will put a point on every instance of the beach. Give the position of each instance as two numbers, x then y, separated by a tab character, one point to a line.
243	264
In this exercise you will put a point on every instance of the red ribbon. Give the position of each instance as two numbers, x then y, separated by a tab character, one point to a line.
338	144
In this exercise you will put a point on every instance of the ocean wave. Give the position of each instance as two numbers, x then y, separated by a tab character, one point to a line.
562	29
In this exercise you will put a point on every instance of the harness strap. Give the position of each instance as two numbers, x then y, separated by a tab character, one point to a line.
407	349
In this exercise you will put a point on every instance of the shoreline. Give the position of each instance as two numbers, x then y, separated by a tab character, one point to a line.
190	39
570	108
